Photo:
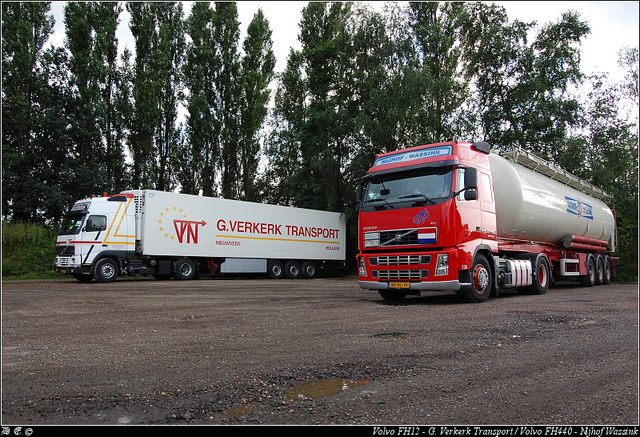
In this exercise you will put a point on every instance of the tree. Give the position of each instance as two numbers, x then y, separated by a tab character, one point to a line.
154	137
95	80
323	140
202	146
226	82
144	94
610	151
257	72
493	48
283	141
436	27
34	136
628	58
167	62
523	90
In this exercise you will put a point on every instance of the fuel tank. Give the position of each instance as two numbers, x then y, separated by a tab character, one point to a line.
532	206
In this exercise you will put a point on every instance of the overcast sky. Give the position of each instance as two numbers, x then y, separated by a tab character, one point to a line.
613	26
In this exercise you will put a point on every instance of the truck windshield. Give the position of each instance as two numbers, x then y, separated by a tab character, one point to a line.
426	186
71	224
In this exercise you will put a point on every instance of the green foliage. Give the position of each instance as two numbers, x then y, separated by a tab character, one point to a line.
226	82
27	249
257	73
154	139
202	149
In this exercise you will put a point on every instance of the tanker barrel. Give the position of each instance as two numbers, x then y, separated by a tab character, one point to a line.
533	206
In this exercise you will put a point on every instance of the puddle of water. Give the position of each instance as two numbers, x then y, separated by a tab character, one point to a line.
323	388
315	389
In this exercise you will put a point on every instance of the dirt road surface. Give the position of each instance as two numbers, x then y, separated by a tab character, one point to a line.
323	351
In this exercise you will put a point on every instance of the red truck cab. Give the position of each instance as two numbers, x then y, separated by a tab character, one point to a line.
427	221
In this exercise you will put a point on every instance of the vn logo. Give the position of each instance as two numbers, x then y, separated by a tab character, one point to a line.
186	231
422	216
188	227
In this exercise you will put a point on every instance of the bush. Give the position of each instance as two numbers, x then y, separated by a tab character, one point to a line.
27	249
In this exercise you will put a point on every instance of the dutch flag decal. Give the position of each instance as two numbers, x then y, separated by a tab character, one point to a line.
427	236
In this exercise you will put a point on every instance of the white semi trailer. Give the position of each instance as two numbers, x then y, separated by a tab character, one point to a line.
147	232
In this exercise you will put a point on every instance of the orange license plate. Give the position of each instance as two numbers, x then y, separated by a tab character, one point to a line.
399	285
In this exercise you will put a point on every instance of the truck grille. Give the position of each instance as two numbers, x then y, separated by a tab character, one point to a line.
396	260
63	262
399	237
65	250
399	275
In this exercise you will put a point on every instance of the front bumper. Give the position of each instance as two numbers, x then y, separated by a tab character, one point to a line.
413	272
69	266
416	286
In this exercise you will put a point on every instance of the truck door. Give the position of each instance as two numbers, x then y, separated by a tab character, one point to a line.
92	235
487	207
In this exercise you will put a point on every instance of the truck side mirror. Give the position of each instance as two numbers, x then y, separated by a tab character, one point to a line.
470	178
470	195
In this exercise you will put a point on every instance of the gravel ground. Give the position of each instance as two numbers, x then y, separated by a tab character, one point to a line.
257	351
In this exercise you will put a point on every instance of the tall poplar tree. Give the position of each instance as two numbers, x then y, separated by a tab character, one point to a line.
144	94
167	59
201	151
154	138
226	36
258	66
96	79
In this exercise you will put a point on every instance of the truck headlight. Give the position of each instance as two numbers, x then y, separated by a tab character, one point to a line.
371	239
442	264
362	269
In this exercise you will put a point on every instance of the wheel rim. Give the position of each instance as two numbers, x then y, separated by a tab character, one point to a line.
107	271
480	278
543	276
185	269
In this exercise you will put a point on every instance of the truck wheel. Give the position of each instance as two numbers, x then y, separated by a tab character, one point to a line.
185	269
292	270
589	280
606	277
276	270
599	270
542	280
392	296
481	282
309	269
106	270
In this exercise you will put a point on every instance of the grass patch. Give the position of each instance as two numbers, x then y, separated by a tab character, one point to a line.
28	250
